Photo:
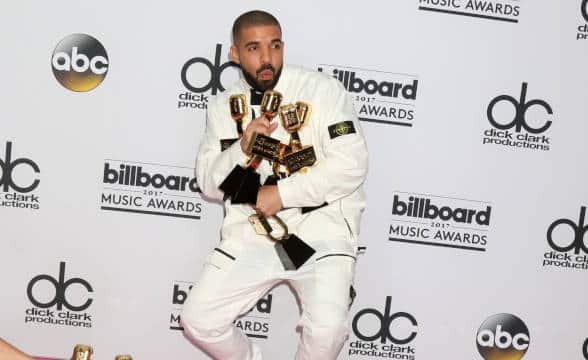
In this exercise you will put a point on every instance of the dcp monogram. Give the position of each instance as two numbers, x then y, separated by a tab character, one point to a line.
7	166
60	288
521	108
386	320
216	69
579	229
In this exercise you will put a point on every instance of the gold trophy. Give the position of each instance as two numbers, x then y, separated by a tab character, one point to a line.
268	148
295	156
243	183
294	117
304	110
292	251
123	357
262	146
82	352
238	107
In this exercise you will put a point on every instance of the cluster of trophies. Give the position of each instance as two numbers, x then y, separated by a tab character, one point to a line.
85	352
242	185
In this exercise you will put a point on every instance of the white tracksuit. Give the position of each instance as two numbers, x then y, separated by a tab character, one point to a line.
245	266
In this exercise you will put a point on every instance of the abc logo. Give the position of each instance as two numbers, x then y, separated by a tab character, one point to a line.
521	106
385	320
585	9
213	73
8	165
79	62
503	337
578	230
61	286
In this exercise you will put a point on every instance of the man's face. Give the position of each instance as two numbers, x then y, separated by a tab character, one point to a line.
259	51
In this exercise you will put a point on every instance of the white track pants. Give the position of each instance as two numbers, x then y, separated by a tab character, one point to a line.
228	288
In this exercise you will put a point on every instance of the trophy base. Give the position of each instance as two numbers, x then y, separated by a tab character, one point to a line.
271	180
241	185
226	143
293	252
297	160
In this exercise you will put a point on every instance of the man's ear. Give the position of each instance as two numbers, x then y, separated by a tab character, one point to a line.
234	54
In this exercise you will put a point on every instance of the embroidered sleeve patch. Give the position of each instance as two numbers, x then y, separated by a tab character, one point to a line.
342	128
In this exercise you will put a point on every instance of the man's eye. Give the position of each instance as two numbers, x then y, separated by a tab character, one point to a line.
276	46
252	48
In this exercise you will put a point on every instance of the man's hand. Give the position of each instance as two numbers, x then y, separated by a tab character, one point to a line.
269	201
260	125
9	352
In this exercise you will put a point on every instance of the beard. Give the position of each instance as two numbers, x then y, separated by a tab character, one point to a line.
262	85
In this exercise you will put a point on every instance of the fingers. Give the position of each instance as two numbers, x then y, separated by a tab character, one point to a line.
262	120
268	201
260	207
260	125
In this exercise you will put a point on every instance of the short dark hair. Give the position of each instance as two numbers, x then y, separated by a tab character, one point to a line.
253	18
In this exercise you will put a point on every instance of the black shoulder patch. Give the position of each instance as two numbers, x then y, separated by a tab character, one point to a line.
342	128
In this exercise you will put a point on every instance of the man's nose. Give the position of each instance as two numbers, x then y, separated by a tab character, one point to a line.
265	56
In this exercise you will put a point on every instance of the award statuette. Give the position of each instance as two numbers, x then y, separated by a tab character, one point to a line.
293	118
277	152
242	183
268	148
82	352
292	251
238	106
272	150
123	357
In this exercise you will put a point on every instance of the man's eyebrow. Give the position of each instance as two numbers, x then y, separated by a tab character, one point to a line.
252	43
276	40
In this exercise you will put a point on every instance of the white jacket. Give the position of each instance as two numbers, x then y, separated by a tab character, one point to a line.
336	178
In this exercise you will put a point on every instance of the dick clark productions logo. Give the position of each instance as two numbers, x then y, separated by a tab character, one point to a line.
8	165
45	291
563	236
526	133
384	334
199	75
18	181
579	231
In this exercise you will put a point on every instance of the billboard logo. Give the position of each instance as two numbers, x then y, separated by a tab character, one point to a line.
379	96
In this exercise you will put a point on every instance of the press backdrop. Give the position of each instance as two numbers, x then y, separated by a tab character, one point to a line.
475	114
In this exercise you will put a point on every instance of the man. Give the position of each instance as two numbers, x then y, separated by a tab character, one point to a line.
245	265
